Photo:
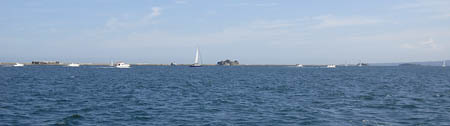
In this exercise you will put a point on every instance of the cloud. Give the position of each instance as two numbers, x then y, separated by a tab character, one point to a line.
426	39
256	4
156	11
408	46
266	4
276	24
113	24
211	12
435	9
116	23
428	44
408	6
268	32
441	16
329	21
181	2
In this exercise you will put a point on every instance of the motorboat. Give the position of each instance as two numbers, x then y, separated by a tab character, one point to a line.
173	64
331	66
122	65
73	65
18	65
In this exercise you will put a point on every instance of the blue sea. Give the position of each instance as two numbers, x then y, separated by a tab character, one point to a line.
224	95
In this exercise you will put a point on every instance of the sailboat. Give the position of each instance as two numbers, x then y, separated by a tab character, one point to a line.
443	64
196	63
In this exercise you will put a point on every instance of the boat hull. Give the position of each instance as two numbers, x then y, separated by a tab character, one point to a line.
195	65
73	65
122	66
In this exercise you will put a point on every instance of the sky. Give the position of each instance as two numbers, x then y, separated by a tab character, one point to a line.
250	31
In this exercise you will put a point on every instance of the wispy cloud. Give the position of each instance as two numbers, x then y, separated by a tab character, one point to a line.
441	16
266	4
257	4
116	23
276	24
424	39
181	1
407	6
436	9
428	44
156	11
329	21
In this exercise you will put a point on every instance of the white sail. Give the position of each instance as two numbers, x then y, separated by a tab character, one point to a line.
443	64
196	63
196	57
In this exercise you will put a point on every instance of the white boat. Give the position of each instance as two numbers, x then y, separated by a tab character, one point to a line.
73	65
299	65
173	64
18	65
122	65
196	63
331	66
443	64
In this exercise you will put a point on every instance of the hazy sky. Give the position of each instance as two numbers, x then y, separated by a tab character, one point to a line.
258	31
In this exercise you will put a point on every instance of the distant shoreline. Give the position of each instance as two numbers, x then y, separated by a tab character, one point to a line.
144	64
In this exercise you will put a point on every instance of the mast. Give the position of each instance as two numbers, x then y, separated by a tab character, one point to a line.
196	57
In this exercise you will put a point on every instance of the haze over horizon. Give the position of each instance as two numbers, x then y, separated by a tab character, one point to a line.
251	31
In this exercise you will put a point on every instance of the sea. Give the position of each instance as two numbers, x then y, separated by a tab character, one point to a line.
224	96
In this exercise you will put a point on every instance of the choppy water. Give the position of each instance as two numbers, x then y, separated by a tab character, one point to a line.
163	95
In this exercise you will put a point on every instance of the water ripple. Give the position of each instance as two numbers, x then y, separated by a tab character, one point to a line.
162	95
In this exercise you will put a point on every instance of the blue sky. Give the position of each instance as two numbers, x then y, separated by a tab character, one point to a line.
251	31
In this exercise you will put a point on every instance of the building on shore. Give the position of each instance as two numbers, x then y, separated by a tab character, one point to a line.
228	62
45	62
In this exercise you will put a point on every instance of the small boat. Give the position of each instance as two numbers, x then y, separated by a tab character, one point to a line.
18	65
331	66
122	65
196	63
73	65
173	64
361	64
299	65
